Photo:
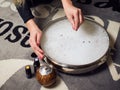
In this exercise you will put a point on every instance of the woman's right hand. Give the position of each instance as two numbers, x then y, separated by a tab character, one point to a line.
73	14
35	37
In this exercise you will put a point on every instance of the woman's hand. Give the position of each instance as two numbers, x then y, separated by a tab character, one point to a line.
35	36
73	14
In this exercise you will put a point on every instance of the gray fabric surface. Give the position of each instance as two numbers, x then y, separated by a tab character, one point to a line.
14	45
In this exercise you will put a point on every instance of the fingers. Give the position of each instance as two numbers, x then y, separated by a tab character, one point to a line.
38	37
81	19
38	40
40	55
71	19
76	19
38	51
34	44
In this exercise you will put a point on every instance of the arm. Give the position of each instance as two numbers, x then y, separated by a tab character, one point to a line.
35	36
73	14
35	32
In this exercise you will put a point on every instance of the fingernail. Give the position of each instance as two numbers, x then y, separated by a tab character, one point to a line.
42	56
39	57
73	28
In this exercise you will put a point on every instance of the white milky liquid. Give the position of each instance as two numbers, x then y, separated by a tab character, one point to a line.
65	45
